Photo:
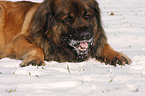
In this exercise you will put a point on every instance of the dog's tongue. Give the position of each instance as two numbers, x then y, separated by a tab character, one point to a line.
83	46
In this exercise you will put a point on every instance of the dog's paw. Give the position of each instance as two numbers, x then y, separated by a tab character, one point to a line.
34	61
119	58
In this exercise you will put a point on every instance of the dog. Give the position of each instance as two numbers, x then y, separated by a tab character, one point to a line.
55	30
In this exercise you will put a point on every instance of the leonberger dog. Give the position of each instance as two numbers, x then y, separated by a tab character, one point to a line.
55	30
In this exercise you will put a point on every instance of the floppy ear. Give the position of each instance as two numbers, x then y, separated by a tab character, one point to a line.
43	18
100	36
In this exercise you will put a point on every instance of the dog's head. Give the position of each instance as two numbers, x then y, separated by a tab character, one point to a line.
73	23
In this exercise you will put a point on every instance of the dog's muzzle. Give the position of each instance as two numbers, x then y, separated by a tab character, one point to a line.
81	46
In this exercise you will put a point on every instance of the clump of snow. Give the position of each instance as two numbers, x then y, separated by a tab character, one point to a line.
132	88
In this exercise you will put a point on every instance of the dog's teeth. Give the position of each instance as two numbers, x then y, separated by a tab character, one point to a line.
84	45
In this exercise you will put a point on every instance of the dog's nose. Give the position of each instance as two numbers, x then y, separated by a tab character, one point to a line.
85	34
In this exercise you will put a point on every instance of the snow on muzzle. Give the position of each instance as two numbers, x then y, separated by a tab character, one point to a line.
81	47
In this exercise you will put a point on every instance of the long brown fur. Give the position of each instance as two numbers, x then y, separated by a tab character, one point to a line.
34	32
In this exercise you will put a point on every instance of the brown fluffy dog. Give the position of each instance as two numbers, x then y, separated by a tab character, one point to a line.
59	30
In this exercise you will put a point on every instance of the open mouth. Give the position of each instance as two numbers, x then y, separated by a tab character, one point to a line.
81	47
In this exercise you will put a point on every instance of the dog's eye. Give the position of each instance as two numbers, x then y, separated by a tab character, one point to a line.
87	15
68	19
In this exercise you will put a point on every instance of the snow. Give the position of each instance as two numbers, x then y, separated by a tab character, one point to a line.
126	33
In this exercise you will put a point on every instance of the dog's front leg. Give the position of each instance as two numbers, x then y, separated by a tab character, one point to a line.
23	48
112	57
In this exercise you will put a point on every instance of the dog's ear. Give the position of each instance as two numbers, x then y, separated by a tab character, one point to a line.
43	18
99	33
97	14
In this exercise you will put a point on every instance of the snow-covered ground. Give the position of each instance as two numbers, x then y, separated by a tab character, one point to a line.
126	33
